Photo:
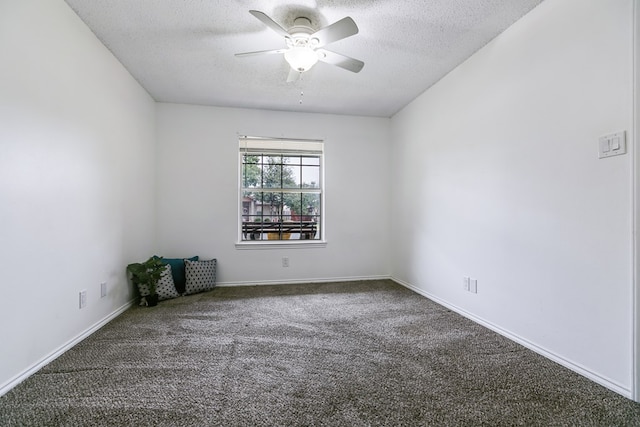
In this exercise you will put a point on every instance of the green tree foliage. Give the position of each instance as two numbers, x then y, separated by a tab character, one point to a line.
302	203
251	172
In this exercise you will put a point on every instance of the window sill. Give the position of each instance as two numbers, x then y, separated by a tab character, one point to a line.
280	244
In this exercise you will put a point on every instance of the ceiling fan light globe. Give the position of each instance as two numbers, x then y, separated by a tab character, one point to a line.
301	58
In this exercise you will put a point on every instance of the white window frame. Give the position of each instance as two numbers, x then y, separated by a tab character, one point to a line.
262	145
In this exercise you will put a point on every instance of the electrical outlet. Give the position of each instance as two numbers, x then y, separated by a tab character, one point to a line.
466	283
103	289
285	261
473	286
83	298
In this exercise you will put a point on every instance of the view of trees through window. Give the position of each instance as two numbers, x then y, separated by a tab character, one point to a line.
281	196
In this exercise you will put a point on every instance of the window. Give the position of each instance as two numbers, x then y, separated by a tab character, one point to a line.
281	196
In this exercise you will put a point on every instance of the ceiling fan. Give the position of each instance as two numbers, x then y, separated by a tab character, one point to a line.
305	46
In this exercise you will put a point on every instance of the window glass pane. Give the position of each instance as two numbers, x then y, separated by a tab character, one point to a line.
291	160
312	204
291	176
271	207
272	175
250	158
252	229
310	177
293	203
251	215
251	172
311	160
301	205
249	206
272	159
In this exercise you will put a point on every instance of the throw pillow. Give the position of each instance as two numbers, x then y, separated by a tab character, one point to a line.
165	287
200	275
177	271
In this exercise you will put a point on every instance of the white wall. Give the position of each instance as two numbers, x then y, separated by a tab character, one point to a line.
198	192
77	172
499	162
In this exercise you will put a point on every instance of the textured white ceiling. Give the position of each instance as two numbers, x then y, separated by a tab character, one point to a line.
182	51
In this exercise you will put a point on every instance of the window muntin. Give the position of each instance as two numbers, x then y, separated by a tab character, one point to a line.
281	190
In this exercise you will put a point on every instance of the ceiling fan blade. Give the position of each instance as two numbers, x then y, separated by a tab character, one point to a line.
337	31
270	23
339	60
294	76
261	52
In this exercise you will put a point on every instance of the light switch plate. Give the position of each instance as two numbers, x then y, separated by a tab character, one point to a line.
612	145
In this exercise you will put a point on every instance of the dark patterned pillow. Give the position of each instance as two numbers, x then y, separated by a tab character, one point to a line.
201	275
165	287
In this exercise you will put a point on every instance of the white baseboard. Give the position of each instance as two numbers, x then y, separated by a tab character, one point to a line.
302	281
576	367
4	388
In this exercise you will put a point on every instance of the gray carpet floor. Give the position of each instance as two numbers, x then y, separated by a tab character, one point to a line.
368	353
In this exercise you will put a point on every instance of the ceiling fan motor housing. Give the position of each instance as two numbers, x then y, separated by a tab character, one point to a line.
301	24
299	34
